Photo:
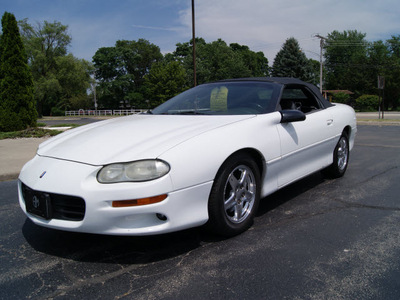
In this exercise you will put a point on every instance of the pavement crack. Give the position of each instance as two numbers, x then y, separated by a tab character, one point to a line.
381	146
78	283
372	256
360	205
378	175
38	289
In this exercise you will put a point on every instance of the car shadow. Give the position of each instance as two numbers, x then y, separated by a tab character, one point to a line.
289	192
84	247
111	249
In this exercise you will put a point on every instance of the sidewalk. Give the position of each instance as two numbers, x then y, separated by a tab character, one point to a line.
14	153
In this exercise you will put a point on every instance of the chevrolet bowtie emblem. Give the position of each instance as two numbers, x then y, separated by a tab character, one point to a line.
35	202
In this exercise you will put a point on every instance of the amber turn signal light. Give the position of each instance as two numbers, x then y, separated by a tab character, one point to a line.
138	202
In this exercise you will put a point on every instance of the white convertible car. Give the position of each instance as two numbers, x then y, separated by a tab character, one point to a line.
207	156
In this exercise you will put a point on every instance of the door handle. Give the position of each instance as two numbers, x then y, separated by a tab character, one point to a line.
329	122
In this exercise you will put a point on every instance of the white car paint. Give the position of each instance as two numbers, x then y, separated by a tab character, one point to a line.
194	146
129	138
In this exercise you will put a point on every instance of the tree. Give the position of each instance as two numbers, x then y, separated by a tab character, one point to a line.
290	61
346	61
59	78
255	61
17	104
134	73
315	71
120	71
73	75
217	60
44	43
164	81
394	46
354	64
392	85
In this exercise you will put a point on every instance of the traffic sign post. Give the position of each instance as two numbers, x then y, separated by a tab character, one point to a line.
381	87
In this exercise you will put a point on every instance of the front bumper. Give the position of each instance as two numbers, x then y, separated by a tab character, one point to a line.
182	208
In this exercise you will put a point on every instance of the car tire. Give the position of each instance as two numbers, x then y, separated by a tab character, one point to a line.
340	158
234	196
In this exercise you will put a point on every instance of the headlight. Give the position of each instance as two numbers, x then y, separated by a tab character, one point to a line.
142	170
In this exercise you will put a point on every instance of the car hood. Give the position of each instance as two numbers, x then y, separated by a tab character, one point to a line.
130	138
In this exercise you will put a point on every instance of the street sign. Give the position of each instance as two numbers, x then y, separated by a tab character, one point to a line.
381	82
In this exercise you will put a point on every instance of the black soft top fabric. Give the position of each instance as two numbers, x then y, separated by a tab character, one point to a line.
288	81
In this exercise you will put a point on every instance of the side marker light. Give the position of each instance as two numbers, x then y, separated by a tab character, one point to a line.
138	202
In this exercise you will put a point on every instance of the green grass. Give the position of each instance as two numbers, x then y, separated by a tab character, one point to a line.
34	132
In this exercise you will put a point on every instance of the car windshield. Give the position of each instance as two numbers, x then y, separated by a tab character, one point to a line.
223	98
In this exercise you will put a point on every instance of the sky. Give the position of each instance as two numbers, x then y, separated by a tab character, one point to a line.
263	25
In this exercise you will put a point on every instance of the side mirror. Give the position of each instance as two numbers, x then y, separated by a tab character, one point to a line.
292	115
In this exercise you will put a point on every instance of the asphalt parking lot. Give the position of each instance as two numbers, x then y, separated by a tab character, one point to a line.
316	239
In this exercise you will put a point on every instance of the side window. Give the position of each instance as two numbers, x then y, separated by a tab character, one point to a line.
300	98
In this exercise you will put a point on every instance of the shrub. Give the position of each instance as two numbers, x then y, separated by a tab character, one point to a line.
55	111
341	98
367	103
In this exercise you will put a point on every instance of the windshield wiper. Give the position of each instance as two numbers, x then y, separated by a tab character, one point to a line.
184	112
192	112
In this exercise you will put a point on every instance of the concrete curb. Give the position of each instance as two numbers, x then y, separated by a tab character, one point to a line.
8	176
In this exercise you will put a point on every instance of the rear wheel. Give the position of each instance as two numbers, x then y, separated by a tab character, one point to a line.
340	158
234	196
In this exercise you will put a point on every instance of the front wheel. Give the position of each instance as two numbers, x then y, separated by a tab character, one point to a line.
234	196
340	158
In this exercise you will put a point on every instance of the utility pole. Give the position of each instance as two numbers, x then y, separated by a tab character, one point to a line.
381	87
194	45
94	97
321	44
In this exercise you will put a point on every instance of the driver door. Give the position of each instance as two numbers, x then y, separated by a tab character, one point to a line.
306	146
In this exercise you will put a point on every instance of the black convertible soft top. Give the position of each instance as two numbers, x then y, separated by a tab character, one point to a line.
288	81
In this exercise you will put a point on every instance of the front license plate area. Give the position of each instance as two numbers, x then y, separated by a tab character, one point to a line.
38	204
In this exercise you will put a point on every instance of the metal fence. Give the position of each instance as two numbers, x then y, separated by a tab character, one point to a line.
104	112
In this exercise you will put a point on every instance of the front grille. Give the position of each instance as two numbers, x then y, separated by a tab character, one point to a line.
61	207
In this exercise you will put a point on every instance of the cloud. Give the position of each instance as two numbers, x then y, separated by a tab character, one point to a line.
158	28
265	25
